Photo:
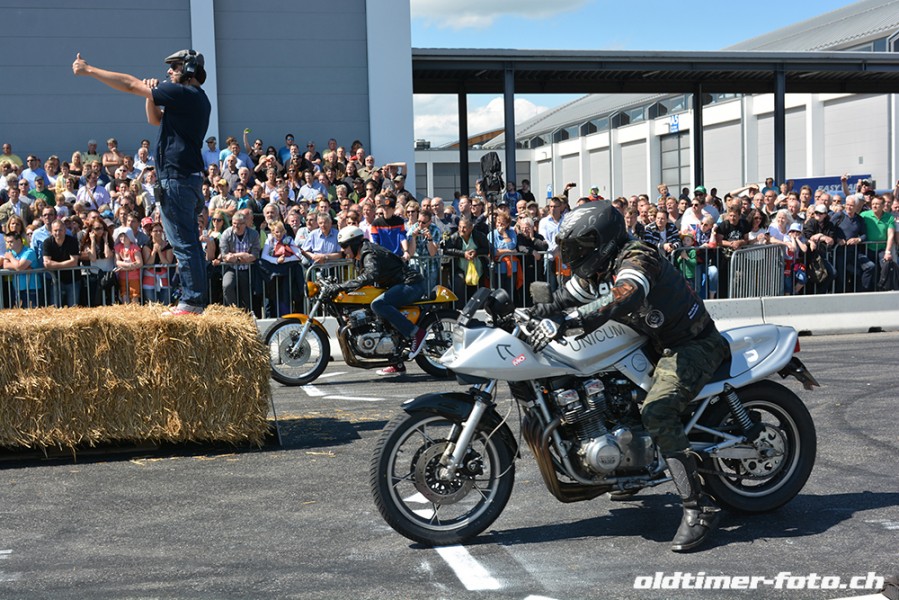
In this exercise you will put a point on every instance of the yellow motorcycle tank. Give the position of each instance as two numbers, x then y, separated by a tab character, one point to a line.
366	294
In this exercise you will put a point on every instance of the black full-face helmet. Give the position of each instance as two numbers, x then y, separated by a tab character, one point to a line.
590	237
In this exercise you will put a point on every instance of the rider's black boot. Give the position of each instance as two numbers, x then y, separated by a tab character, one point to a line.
700	514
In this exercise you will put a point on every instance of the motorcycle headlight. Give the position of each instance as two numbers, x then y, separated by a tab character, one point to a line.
312	289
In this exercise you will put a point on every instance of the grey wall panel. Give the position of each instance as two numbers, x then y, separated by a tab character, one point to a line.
282	66
543	179
723	156
571	173
49	110
633	168
600	173
795	144
856	138
296	73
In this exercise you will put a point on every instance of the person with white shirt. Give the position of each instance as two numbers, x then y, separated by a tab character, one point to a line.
548	228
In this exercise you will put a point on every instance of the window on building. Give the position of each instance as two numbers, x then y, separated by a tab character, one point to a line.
595	126
676	161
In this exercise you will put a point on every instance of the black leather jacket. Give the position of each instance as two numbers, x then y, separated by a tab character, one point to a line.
648	295
380	267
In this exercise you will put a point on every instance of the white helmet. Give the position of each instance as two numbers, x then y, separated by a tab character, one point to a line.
350	236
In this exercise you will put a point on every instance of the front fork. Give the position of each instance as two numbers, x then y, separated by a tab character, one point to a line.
295	347
456	450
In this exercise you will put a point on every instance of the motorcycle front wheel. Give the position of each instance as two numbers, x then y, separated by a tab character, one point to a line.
296	365
415	497
762	484
439	339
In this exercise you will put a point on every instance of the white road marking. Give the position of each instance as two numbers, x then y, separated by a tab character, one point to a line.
469	571
357	398
311	390
334	374
4	577
885	523
417	497
539	598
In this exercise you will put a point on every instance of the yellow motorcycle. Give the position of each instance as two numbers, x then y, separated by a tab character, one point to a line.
299	345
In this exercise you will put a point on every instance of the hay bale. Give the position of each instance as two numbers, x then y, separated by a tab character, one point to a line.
72	377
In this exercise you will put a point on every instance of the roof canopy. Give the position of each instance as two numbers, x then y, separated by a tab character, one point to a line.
452	71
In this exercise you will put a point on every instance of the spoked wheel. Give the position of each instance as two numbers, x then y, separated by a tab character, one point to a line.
294	364
413	493
439	339
785	451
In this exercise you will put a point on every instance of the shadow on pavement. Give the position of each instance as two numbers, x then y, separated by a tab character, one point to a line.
296	433
656	518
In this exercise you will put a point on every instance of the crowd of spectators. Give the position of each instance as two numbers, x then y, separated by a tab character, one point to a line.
92	226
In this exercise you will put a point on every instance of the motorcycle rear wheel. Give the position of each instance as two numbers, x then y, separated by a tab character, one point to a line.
439	339
413	498
303	365
762	485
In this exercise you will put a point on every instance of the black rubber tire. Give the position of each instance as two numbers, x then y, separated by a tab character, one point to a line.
316	336
438	325
767	399
388	485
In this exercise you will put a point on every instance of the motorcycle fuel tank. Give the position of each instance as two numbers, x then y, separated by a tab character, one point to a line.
497	354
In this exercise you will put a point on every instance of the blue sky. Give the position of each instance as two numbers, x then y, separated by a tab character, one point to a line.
580	25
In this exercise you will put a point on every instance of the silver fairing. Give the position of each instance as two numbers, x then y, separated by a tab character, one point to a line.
496	354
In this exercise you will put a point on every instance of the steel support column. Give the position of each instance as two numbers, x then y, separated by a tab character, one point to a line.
780	127
464	175
698	172
509	106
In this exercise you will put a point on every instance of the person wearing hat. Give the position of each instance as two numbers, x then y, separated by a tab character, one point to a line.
210	153
179	158
222	199
822	236
795	275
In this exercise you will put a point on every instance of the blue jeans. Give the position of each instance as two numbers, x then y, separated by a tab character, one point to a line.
65	294
179	209
386	305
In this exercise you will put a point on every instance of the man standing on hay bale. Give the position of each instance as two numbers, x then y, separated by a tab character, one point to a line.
179	159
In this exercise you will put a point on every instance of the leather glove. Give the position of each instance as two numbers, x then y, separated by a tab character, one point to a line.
551	328
542	311
328	291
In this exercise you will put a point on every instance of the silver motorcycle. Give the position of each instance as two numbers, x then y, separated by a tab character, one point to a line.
444	469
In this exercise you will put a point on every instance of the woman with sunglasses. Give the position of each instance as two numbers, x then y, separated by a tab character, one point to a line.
97	251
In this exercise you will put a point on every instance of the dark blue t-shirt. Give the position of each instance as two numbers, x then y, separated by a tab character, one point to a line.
179	151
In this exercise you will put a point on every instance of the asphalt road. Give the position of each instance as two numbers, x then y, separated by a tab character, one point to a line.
298	521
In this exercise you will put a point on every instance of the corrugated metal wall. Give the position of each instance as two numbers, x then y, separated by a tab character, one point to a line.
282	66
293	67
45	108
856	139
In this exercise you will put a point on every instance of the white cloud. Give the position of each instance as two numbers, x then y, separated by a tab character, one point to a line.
477	14
437	117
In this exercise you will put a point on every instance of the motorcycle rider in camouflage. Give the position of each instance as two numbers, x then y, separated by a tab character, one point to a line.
628	281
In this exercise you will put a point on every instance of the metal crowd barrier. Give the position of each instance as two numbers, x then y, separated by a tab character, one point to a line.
756	271
270	291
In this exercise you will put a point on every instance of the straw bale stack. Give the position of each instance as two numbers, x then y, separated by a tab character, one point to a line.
72	377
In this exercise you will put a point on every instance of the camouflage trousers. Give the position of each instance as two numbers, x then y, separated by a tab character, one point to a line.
677	380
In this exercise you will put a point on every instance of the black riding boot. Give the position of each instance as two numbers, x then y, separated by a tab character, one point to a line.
700	514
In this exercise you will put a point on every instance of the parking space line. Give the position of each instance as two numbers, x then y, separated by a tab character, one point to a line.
469	571
311	390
